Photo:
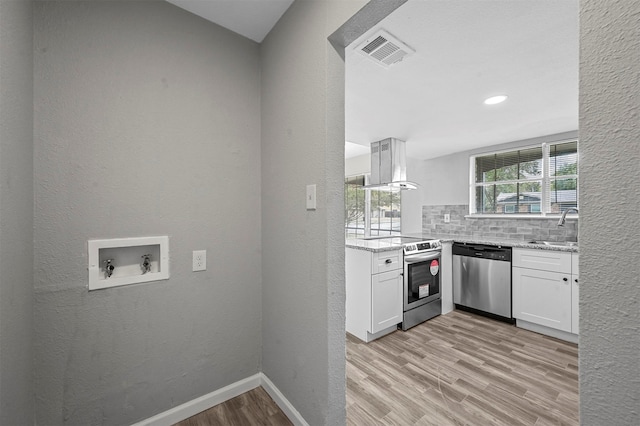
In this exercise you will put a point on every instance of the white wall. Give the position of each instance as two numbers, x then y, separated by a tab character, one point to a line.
16	213
413	200
609	213
147	122
359	165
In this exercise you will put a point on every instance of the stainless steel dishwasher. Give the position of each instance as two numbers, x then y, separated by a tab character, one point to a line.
482	279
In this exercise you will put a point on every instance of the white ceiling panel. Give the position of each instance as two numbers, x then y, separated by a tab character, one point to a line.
250	18
466	51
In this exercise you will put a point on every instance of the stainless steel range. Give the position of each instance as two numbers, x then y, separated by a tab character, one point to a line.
422	266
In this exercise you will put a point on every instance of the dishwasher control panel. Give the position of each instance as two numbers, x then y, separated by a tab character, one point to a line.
483	251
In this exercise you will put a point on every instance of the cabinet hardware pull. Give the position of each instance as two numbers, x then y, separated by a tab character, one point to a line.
565	279
388	261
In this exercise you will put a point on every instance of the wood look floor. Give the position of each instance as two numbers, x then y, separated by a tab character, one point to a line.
455	369
462	369
251	408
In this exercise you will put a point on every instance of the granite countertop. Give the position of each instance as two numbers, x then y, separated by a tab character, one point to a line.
374	245
389	244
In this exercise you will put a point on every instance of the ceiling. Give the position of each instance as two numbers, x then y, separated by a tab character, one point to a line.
465	51
250	18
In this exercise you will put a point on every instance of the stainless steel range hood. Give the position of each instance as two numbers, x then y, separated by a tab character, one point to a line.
389	166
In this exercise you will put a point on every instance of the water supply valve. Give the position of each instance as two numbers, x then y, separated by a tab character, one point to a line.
108	268
145	264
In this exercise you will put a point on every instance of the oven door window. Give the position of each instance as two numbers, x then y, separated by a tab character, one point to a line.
423	281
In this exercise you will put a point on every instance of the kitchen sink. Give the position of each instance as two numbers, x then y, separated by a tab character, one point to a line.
556	243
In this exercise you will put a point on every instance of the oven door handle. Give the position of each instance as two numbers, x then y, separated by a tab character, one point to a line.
422	257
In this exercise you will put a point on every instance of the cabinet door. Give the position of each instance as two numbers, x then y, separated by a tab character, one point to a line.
575	264
542	297
575	296
386	300
575	293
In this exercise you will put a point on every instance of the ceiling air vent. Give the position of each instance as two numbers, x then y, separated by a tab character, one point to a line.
384	49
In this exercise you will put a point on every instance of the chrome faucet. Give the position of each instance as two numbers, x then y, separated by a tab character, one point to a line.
564	215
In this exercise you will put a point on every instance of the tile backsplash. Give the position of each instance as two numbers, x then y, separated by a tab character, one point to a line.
528	229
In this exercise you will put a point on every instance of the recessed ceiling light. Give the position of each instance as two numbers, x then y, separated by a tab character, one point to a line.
495	100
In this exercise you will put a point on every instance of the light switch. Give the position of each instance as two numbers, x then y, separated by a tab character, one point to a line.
447	218
311	197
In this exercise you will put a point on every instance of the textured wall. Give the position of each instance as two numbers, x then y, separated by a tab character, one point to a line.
609	215
16	213
303	251
147	122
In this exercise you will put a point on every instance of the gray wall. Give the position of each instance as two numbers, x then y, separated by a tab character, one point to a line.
16	218
609	231
303	251
147	122
124	354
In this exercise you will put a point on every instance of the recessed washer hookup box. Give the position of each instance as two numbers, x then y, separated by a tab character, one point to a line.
123	261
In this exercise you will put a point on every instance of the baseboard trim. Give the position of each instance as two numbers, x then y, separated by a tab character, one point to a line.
287	408
198	405
548	331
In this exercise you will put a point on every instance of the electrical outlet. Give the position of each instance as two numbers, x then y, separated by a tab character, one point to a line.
447	218
199	260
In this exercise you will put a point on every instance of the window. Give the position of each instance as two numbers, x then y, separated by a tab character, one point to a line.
533	180
354	204
563	177
385	213
368	212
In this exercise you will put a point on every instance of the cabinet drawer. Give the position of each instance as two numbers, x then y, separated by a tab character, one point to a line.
386	261
544	260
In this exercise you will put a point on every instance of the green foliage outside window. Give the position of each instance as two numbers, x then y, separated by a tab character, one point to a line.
384	210
516	181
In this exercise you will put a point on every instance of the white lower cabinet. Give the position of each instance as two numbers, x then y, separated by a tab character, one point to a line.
575	293
542	297
386	300
545	295
373	292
